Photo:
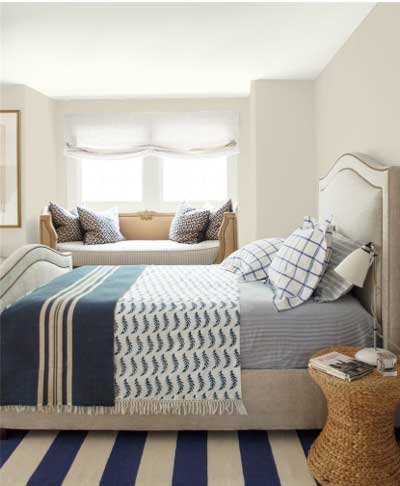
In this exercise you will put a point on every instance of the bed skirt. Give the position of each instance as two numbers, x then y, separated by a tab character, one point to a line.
274	399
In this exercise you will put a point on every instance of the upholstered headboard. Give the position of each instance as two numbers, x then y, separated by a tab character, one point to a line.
363	196
28	268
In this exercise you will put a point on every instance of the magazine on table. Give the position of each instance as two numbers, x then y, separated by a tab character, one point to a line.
341	366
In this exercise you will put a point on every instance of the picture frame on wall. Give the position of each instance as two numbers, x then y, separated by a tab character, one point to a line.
10	169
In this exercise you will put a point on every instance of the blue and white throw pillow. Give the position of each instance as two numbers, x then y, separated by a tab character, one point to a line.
297	268
251	262
68	227
189	224
216	218
100	227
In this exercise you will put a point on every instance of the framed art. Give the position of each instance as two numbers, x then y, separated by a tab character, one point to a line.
10	170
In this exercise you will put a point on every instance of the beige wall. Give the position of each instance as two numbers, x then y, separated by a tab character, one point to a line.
357	96
282	143
246	176
13	98
38	168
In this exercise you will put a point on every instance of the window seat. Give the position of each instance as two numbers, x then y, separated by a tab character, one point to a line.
146	252
146	243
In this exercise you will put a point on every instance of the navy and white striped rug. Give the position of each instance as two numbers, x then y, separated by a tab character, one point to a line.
248	458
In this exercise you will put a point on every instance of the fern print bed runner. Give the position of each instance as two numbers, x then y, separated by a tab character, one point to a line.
177	342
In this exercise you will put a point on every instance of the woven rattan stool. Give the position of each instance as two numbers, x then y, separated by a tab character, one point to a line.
357	446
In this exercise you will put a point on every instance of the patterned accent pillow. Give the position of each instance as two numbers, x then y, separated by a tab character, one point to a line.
189	224
251	262
297	268
332	286
99	228
216	218
66	223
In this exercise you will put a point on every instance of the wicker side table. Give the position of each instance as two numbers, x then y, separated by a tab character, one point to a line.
357	446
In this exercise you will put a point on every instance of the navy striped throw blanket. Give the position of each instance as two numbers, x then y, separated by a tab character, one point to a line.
129	339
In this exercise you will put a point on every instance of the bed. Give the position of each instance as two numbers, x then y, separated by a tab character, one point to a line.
276	390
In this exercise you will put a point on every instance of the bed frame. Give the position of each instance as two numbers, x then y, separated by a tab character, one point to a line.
363	197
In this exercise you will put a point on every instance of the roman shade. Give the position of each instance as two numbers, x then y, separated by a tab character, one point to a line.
125	135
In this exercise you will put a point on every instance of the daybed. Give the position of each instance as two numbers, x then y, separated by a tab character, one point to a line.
146	243
363	198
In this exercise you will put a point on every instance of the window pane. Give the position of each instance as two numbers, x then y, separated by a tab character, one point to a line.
195	179
111	180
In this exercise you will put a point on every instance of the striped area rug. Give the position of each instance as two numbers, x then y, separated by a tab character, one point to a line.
251	458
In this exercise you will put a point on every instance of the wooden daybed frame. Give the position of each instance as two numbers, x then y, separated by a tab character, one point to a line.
150	225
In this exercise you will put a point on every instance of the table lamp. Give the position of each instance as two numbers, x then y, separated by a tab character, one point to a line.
354	269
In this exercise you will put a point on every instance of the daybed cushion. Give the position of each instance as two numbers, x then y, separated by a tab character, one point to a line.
146	252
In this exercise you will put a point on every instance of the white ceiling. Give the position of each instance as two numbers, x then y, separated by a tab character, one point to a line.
105	50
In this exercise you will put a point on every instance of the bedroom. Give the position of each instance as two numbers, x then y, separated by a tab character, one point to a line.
182	149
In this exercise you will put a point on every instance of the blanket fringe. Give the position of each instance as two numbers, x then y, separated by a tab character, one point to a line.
142	407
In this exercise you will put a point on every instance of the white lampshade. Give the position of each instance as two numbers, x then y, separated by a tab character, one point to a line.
354	267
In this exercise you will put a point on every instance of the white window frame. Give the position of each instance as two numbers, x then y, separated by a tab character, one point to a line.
152	183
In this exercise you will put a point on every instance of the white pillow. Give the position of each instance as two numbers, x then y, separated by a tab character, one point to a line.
113	214
251	262
298	266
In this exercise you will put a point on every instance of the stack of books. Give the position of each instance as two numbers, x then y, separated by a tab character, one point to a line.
341	366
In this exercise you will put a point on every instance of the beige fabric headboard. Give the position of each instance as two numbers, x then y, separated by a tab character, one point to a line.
28	268
363	196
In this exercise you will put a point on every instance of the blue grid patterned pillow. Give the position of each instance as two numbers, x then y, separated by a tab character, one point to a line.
300	263
251	262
